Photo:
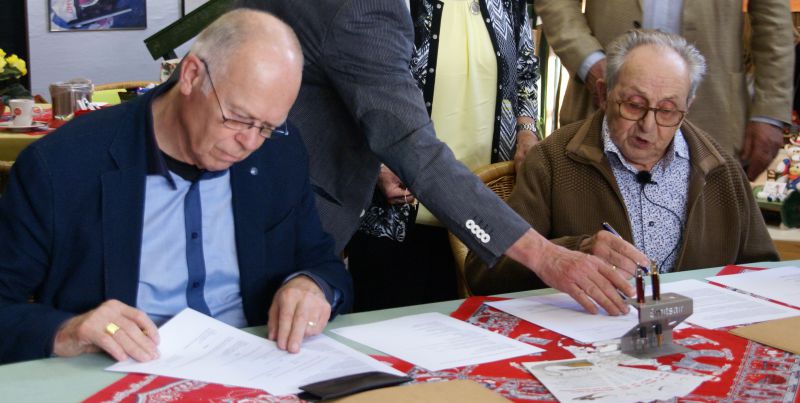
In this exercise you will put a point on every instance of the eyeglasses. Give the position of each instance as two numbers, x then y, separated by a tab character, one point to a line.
240	126
635	111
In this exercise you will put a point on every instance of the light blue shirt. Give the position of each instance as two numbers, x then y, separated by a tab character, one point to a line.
656	230
163	271
663	15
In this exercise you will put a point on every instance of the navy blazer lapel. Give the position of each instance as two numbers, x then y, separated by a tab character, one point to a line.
251	202
123	204
123	192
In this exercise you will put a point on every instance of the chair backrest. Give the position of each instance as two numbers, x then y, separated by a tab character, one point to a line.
123	85
5	169
501	178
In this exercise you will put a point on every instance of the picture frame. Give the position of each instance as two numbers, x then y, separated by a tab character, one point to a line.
190	5
97	15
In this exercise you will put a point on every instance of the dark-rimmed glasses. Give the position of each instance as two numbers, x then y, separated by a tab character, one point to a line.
635	111
238	125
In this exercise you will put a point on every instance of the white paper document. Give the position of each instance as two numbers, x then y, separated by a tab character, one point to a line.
195	346
581	380
779	284
713	307
561	314
716	307
435	341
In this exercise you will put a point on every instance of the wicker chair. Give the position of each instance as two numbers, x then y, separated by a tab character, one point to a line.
5	169
501	178
123	85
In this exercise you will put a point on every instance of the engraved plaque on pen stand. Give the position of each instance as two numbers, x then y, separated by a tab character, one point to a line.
652	337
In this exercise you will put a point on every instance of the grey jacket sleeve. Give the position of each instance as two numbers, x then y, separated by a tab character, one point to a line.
368	51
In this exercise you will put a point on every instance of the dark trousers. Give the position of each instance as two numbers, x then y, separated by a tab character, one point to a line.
388	274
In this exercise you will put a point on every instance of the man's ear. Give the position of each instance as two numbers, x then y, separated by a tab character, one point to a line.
602	95
192	70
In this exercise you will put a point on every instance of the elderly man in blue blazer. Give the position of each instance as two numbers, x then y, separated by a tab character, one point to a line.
193	195
359	107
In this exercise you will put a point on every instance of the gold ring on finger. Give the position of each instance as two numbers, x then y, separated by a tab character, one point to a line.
311	323
111	328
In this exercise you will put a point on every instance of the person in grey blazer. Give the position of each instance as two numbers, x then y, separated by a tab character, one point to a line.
359	107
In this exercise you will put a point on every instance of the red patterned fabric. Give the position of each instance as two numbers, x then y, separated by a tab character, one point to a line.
741	370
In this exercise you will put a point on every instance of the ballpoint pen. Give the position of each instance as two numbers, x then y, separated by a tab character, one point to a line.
609	228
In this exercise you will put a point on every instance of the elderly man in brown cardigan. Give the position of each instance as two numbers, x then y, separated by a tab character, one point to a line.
639	165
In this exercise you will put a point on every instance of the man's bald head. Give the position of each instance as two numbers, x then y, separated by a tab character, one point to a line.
242	31
245	70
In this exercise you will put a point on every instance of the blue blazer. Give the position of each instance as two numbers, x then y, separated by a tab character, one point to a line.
72	215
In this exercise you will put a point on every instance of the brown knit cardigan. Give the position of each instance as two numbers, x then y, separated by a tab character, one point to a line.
566	190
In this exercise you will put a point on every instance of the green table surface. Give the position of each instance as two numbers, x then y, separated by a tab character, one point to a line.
75	379
12	143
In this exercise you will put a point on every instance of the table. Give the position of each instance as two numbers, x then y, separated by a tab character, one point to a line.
12	143
75	379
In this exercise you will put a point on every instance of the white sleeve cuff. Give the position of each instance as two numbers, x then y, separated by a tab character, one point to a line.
768	120
588	62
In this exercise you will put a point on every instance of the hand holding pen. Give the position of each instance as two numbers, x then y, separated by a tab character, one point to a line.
608	245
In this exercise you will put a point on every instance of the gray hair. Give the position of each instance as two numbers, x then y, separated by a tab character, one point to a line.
219	42
618	50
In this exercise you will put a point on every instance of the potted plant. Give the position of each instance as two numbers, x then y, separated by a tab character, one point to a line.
11	69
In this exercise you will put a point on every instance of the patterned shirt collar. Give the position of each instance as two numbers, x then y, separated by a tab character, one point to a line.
677	149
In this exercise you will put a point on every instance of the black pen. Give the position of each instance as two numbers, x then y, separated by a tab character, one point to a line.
609	228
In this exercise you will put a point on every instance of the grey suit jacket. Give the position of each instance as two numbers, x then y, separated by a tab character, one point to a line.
359	106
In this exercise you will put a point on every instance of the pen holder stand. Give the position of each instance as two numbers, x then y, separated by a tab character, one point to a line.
652	337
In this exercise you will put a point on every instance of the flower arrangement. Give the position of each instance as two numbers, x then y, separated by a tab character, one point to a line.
11	69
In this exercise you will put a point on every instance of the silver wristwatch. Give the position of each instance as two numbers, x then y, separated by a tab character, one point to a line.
526	126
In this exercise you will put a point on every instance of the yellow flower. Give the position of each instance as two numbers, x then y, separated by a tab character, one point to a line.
2	64
17	63
2	53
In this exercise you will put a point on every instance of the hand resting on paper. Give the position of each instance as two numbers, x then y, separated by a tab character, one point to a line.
118	329
299	309
586	278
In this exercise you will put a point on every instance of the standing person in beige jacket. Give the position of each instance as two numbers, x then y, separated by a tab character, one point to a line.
749	127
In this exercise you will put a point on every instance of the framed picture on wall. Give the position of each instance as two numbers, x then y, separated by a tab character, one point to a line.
97	15
190	5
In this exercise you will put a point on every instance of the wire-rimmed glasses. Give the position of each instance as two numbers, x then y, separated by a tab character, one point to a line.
241	126
630	110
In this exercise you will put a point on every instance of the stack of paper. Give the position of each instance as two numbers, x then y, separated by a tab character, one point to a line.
714	307
195	346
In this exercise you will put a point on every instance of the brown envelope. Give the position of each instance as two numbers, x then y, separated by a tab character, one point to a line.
779	333
459	391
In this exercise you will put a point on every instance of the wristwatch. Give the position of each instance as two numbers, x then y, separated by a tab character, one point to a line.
526	126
